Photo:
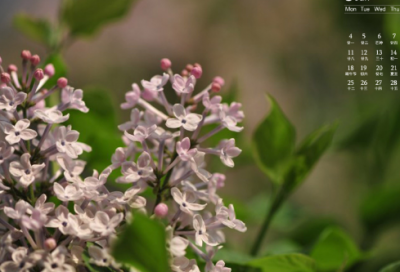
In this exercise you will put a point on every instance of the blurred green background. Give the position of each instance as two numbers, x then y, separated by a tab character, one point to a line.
293	50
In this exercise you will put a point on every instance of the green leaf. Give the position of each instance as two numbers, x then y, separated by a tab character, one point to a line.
142	245
274	143
231	256
38	30
84	18
394	267
308	231
285	263
335	249
381	207
311	150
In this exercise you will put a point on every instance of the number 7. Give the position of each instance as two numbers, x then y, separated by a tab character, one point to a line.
394	35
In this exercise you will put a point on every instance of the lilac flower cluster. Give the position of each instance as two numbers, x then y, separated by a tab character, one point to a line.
51	215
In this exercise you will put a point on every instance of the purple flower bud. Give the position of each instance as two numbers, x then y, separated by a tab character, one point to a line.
219	80
12	68
26	54
184	73
165	64
197	71
50	244
189	67
62	82
215	87
49	70
5	78
39	75
35	60
161	210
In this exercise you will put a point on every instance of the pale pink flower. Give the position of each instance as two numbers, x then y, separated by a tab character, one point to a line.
51	115
118	157
188	121
228	150
61	220
70	193
73	99
134	172
9	100
156	83
20	261
21	207
18	132
183	85
72	168
183	264
220	267
229	121
186	203
66	141
227	217
131	97
105	225
5	151
35	221
24	170
184	151
133	123
141	133
201	234
211	103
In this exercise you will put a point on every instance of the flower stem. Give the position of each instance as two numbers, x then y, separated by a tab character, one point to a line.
276	204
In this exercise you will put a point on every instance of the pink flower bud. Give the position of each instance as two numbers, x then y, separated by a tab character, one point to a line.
219	80
1	60
5	78
49	70
184	73
161	210
62	82
197	71
26	54
50	244
189	67
38	74
35	60
165	64
215	87
12	68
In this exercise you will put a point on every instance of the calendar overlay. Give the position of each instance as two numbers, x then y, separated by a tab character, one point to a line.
372	9
366	67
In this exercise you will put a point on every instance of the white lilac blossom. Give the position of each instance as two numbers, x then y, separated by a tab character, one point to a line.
55	212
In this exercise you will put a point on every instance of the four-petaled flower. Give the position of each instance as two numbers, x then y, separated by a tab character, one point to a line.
24	170
18	132
201	234
183	85
188	121
51	115
185	202
9	100
73	99
228	150
134	172
105	225
184	151
131	97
